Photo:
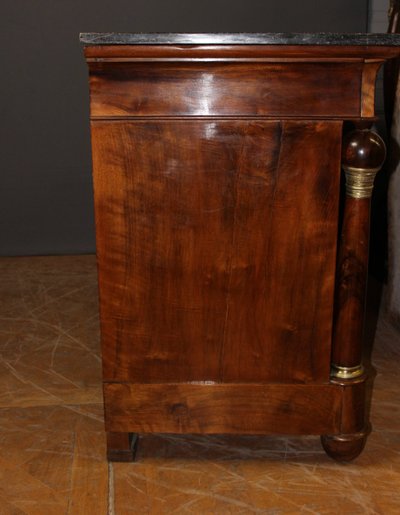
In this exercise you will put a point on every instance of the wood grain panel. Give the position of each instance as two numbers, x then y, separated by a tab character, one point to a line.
239	408
164	196
225	89
216	245
281	291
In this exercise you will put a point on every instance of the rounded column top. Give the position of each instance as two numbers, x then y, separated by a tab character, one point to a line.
363	149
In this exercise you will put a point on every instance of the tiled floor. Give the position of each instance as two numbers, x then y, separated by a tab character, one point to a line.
51	427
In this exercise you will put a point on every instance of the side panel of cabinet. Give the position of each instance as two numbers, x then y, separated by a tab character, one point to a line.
216	244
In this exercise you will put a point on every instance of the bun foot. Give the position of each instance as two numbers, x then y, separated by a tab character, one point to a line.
344	448
121	446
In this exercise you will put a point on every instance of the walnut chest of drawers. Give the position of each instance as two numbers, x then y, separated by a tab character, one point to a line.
231	295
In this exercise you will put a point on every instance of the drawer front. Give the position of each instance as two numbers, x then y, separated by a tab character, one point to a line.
292	89
216	244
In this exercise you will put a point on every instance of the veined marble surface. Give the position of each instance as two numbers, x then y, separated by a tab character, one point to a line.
52	458
239	38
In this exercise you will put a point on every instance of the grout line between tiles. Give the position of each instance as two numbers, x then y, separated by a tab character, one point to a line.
72	473
110	510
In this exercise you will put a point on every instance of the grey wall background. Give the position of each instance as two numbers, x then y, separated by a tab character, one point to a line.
378	15
45	182
378	22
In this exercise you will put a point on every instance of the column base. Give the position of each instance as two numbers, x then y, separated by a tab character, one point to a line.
344	448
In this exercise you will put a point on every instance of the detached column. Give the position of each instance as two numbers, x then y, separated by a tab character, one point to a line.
362	157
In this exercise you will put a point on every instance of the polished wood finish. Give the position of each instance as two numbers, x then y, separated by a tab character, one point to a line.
223	408
121	92
208	296
353	406
227	89
344	448
177	52
363	149
351	283
354	425
216	177
362	156
371	68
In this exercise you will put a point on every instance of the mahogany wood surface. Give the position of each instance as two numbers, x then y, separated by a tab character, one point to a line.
363	153
369	74
344	448
351	284
216	245
353	407
223	408
235	52
227	89
216	177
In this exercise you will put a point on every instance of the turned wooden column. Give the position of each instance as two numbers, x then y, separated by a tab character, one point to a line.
362	156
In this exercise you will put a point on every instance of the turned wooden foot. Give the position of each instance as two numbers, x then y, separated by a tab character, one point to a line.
344	448
121	446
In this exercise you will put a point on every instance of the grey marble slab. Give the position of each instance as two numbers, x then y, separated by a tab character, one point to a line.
325	39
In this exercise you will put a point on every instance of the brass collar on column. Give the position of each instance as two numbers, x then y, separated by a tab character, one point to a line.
360	181
346	372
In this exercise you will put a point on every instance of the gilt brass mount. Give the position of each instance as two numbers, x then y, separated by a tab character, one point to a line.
360	181
339	372
363	154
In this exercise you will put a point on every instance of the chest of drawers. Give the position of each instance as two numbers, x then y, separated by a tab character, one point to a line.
231	295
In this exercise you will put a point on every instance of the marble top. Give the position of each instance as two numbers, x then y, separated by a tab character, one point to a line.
164	38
